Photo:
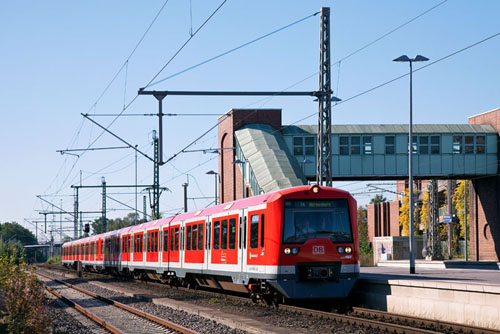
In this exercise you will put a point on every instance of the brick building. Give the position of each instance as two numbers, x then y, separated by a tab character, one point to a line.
485	204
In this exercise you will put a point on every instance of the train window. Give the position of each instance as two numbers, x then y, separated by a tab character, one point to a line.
172	230
188	238
254	231
245	232
195	236
223	241
156	241
239	240
262	230
232	233
310	219
200	236
149	242
165	240
176	238
216	234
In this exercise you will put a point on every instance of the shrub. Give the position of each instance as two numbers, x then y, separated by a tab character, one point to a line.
24	297
54	259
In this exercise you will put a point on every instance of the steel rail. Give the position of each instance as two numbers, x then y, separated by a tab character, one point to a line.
360	322
436	324
145	315
84	311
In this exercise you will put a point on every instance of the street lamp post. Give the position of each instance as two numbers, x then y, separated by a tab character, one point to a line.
242	163
215	175
405	58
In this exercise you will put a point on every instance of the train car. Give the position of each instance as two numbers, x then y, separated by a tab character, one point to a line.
296	243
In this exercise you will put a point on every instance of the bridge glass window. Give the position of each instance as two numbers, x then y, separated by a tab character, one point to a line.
309	145
298	148
355	145
200	236
254	232
469	144
188	238
423	144
414	144
216	234
480	144
165	240
344	145
367	145
435	144
457	144
389	145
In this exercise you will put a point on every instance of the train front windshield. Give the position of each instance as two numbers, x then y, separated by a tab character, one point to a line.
310	219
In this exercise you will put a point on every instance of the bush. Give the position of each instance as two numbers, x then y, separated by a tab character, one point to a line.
54	259
24	297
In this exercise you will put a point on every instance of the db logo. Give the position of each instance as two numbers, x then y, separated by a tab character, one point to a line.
318	249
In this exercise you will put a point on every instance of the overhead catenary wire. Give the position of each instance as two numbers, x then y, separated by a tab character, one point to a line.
230	51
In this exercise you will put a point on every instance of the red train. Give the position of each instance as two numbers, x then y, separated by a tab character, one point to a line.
296	243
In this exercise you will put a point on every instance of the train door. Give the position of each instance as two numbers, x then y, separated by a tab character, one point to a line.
174	244
138	247
255	239
242	244
208	235
152	246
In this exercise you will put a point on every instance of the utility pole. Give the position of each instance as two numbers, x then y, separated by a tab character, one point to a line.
324	148
185	185
156	174
104	204
144	207
60	226
75	215
450	225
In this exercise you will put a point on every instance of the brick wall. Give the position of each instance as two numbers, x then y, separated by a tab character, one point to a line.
383	220
230	187
484	205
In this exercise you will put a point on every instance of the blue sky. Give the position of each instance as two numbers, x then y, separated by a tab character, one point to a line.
58	57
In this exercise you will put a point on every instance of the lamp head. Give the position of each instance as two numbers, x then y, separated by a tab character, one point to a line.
420	58
402	58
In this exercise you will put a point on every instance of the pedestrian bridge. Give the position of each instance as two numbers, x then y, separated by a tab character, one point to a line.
369	152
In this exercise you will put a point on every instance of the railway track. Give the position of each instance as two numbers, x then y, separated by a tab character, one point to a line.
440	326
369	319
114	316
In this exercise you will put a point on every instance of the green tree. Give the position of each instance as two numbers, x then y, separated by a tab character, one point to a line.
404	213
364	244
425	210
13	238
378	199
98	226
458	201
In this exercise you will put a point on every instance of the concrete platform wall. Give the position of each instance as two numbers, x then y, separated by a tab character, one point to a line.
470	304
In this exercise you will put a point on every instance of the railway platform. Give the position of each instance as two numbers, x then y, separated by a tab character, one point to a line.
454	291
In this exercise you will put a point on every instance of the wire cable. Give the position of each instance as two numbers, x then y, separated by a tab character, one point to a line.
230	51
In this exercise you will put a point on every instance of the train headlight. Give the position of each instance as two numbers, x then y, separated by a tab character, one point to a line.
287	251
348	250
340	249
295	250
315	189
